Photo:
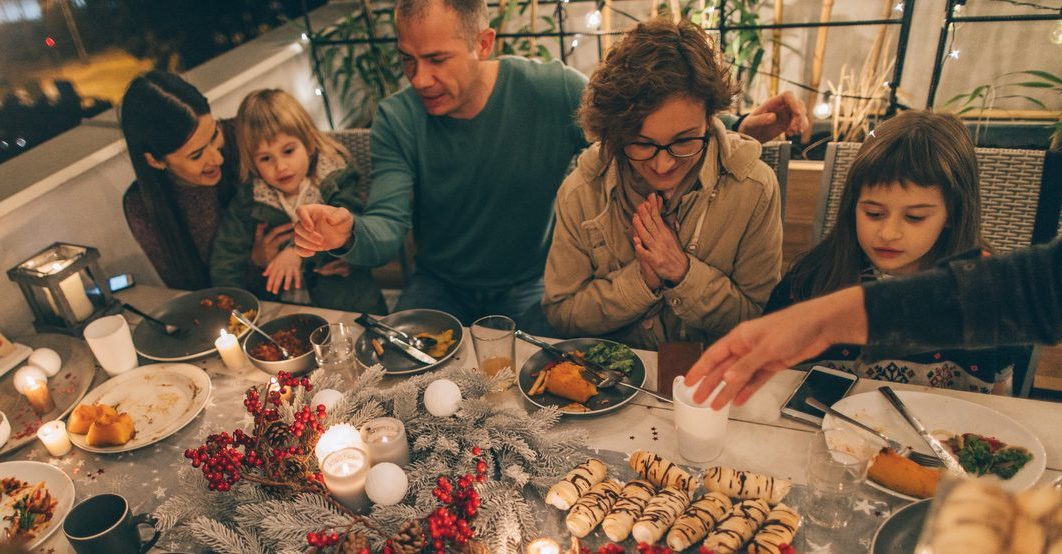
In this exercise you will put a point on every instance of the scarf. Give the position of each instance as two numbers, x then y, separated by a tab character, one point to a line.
632	189
309	188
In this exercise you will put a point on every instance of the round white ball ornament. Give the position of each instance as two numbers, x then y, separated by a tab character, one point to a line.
328	397
46	359
386	484
442	398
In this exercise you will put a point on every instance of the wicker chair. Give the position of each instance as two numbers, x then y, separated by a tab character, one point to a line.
776	155
1020	199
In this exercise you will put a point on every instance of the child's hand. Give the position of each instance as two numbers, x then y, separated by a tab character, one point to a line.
322	228
284	271
267	245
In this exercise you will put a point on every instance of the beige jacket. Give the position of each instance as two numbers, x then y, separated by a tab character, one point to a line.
594	285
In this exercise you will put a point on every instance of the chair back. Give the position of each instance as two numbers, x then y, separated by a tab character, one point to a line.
776	154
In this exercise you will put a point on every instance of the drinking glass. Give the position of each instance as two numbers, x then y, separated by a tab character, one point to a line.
494	338
333	346
837	468
699	430
112	344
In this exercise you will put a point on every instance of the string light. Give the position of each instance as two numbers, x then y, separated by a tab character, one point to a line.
593	20
575	41
304	37
1056	34
898	8
823	110
885	84
954	54
318	91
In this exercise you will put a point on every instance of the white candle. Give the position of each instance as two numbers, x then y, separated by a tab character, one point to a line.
53	435
32	383
229	348
543	546
336	438
74	291
385	441
344	475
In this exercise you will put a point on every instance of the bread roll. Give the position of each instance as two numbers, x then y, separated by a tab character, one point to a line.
576	483
897	473
82	417
697	520
661	511
737	526
746	485
975	518
660	472
779	528
633	498
592	507
110	430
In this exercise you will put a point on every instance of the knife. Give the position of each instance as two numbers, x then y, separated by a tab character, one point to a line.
405	347
938	448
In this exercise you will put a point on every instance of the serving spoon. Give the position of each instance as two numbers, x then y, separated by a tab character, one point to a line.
239	317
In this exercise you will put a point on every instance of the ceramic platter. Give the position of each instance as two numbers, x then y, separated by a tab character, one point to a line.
160	398
200	320
606	400
412	322
55	481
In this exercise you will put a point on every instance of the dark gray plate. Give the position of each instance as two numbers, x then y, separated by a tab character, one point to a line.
899	534
604	401
411	322
199	324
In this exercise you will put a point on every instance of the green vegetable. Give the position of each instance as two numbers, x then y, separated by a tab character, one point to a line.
1009	461
616	357
976	456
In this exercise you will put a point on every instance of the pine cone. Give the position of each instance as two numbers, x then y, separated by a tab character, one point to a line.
410	538
354	544
474	547
277	434
294	468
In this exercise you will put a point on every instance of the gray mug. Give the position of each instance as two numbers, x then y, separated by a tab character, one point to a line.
103	524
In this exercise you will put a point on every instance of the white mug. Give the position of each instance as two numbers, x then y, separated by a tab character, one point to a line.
112	344
699	429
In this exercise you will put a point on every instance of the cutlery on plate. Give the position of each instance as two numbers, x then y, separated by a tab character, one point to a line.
403	346
167	328
420	343
605	378
916	457
239	317
938	448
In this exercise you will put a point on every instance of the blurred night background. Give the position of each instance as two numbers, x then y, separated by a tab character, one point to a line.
65	60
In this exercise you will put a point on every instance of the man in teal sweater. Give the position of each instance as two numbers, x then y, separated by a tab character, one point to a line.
471	155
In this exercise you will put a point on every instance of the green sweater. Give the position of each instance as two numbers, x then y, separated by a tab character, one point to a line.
478	193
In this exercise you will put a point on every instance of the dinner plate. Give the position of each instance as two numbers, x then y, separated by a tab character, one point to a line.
899	534
604	401
942	415
66	387
18	353
411	322
58	484
161	399
200	325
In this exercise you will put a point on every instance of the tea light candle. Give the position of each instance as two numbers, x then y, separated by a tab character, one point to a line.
53	435
543	546
344	475
229	348
32	383
385	441
336	438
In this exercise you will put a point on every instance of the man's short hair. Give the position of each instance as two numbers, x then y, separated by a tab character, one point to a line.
472	14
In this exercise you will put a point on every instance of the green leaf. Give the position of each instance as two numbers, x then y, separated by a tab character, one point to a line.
1033	84
1041	74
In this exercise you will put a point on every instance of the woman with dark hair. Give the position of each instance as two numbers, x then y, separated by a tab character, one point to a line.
186	166
669	229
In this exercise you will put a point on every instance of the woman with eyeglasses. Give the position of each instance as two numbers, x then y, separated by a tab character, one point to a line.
669	229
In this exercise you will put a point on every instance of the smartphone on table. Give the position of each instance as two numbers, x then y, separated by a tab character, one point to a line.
823	384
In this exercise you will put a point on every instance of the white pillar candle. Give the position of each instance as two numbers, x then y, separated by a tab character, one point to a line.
344	475
229	348
336	438
385	441
74	291
53	435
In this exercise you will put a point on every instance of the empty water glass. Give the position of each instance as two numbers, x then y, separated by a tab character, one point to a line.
494	338
837	468
333	346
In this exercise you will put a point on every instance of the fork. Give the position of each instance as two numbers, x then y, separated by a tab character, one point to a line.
916	457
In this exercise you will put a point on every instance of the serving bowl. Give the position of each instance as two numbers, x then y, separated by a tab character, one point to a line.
304	324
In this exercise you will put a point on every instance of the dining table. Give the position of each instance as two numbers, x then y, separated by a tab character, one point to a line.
758	438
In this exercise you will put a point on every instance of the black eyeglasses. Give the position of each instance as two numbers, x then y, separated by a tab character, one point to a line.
681	148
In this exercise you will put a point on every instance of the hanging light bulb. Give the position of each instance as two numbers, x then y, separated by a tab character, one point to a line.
318	91
954	54
1056	34
304	37
956	10
575	41
898	8
593	20
823	110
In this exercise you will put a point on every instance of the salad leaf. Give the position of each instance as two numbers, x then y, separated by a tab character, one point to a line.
616	357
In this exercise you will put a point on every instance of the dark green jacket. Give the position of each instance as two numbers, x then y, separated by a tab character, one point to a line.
230	260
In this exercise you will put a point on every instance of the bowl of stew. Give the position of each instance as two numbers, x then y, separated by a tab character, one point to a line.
293	332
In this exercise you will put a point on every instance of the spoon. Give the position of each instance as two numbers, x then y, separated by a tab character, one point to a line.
166	327
239	317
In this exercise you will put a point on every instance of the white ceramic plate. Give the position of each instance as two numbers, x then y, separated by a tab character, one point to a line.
161	399
58	484
18	353
942	415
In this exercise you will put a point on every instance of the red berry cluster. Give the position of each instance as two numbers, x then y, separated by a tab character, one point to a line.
305	418
610	548
286	381
221	462
451	523
321	540
645	548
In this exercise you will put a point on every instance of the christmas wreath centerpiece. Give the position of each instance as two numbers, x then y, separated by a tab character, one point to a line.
262	489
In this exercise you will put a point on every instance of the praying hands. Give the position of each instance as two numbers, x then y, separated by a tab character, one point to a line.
656	246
